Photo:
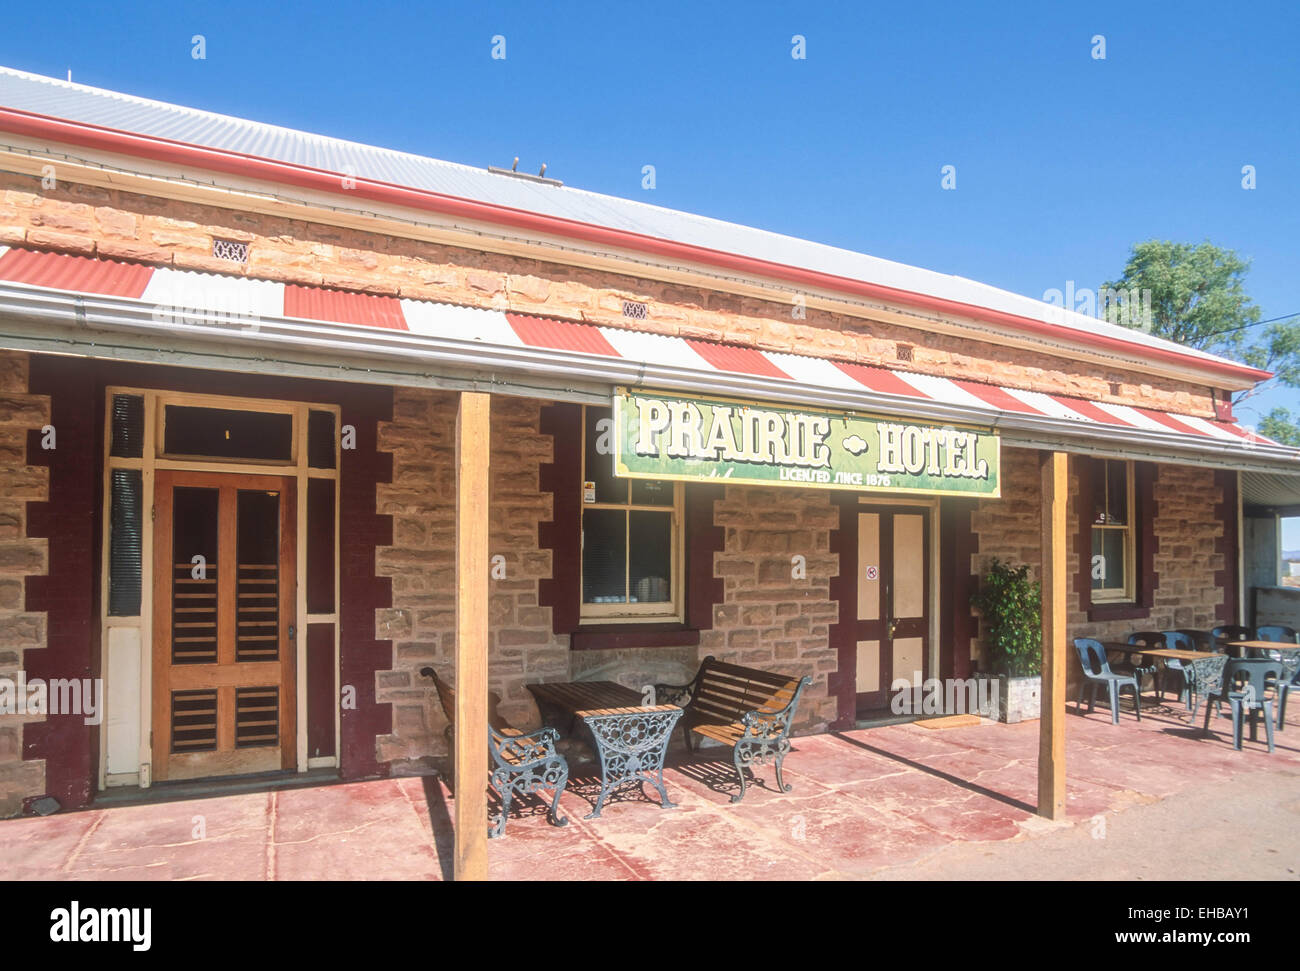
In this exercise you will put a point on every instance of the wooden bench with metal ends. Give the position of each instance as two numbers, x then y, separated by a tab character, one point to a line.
744	708
523	763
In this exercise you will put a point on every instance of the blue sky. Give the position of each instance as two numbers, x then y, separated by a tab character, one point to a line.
1062	161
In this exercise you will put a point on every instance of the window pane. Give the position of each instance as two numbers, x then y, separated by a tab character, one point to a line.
1108	560
1097	472
600	466
320	439
652	492
1117	493
194	575
320	546
228	434
651	548
604	556
257	537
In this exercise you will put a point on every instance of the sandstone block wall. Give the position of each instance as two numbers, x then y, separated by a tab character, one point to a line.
769	618
20	414
421	561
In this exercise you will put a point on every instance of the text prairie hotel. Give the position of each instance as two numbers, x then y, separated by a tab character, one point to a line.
254	347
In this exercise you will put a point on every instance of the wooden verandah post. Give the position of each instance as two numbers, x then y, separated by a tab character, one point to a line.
472	449
1051	725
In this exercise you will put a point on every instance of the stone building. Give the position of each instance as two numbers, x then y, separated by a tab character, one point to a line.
231	362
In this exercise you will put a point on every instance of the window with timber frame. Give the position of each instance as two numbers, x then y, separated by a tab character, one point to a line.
1115	542
647	546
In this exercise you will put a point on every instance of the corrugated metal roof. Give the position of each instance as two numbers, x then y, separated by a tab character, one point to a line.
141	116
1262	489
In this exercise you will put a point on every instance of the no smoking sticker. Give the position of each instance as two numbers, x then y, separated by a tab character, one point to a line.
873	573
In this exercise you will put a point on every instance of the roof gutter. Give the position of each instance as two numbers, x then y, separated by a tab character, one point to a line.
169	151
77	324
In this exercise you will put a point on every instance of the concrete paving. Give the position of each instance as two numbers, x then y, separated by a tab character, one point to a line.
1149	800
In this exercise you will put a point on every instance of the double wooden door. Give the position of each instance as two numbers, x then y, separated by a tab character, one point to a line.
224	597
893	623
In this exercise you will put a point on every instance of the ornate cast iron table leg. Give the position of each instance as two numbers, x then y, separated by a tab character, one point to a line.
632	743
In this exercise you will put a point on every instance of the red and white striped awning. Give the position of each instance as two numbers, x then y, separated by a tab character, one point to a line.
187	295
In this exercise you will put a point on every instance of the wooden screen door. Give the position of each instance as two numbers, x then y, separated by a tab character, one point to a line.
893	628
223	619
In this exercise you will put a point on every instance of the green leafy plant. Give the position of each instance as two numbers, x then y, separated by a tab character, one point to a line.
1012	607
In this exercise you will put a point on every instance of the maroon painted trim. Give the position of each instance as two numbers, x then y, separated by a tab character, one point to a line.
704	590
608	637
841	683
321	694
562	477
1228	544
958	542
73	523
361	591
68	594
335	183
320	546
1148	545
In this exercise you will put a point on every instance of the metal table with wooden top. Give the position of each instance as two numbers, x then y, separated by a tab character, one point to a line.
631	738
560	702
1265	645
1205	667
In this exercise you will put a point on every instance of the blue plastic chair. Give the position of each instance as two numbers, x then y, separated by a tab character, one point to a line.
1228	633
1244	685
1284	687
1096	672
1290	661
1177	640
1138	665
1276	632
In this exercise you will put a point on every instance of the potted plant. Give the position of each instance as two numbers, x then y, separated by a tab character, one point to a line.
1011	607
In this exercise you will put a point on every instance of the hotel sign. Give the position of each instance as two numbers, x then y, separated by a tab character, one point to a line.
687	438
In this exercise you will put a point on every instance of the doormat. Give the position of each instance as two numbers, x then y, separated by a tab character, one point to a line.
950	721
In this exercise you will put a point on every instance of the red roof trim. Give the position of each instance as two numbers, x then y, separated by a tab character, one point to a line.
343	307
878	379
61	271
1169	421
1089	410
740	360
166	150
996	397
560	335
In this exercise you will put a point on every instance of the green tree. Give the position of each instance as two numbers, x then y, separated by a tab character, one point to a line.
1277	425
1197	297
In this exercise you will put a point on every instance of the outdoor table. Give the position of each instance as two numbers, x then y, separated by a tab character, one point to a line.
560	701
632	744
1206	667
631	738
1265	645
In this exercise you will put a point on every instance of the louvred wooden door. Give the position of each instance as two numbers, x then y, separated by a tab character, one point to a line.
223	615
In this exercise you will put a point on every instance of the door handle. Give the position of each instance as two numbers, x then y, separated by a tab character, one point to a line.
293	632
893	626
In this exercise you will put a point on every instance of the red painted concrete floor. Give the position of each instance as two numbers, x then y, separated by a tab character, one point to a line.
864	803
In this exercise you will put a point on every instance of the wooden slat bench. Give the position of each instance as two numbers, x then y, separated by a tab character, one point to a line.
523	762
748	710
